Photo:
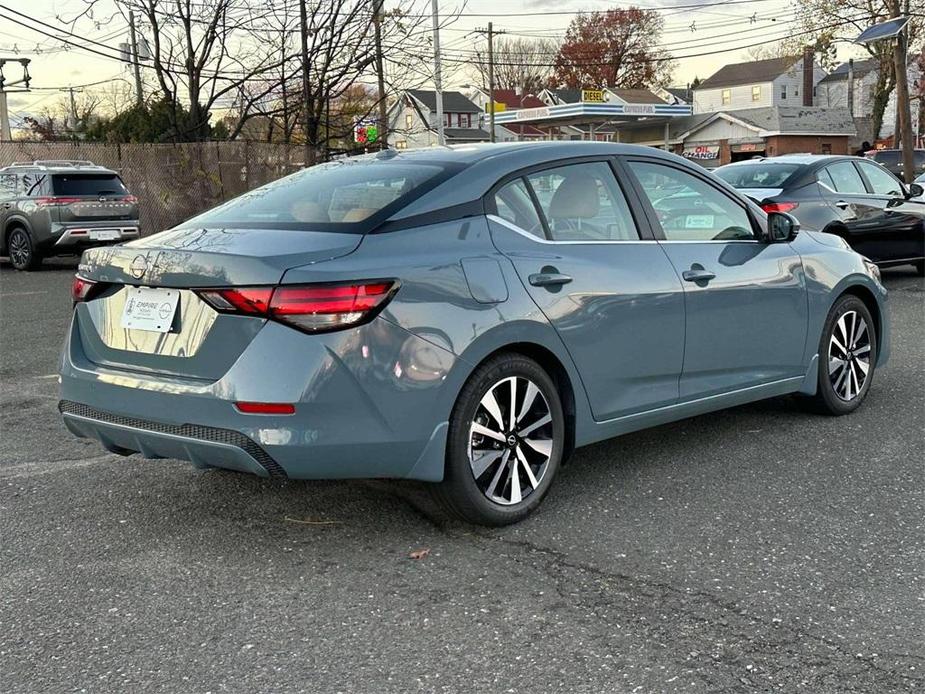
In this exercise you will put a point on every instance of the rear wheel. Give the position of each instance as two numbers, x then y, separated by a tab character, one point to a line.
847	357
505	443
23	255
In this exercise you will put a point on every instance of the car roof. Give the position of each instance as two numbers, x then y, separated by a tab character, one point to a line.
57	166
800	159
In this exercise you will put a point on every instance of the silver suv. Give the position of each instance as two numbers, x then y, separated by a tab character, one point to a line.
60	208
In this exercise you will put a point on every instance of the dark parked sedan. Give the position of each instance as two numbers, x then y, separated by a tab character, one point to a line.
854	198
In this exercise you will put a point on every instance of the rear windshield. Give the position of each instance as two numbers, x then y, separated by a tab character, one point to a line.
88	184
338	196
757	175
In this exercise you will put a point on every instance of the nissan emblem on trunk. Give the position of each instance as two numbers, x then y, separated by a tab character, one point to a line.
138	267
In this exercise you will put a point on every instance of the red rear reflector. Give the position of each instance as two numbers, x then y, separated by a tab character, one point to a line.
131	199
81	288
312	308
779	206
265	407
55	201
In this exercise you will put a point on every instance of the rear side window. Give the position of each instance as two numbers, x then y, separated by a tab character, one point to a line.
582	202
514	204
757	175
337	196
846	178
87	184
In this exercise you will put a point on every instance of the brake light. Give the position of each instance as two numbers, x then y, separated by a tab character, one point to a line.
82	289
130	199
311	308
779	206
55	201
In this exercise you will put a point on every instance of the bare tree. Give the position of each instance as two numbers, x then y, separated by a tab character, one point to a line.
520	63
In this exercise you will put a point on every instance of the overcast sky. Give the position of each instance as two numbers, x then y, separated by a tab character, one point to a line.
730	26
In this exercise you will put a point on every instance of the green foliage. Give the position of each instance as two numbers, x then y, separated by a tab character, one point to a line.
158	121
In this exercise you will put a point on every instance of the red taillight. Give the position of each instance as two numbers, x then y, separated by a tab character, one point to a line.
55	201
312	308
265	407
130	199
82	288
779	206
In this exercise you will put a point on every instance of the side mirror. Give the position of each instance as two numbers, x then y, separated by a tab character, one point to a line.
915	190
782	227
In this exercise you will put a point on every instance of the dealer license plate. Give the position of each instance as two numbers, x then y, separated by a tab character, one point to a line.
148	308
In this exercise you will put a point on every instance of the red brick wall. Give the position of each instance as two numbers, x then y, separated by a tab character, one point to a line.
790	144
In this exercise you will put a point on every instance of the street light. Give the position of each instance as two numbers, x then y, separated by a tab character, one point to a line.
881	32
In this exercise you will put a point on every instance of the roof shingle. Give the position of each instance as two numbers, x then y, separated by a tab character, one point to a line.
749	73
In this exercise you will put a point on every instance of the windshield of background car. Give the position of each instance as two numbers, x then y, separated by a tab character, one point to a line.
87	184
338	196
758	175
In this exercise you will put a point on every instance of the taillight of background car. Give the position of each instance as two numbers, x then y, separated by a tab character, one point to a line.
779	206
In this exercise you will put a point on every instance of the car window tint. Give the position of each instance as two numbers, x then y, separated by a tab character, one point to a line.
582	202
690	209
514	204
760	175
881	181
87	184
846	178
8	186
824	177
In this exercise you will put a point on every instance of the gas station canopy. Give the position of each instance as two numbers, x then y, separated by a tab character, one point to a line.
585	113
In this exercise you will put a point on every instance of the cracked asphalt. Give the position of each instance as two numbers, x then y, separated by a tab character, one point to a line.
755	549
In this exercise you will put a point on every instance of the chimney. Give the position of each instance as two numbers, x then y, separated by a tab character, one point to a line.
851	86
808	76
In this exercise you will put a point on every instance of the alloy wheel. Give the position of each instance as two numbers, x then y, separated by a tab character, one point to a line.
511	440
849	355
20	249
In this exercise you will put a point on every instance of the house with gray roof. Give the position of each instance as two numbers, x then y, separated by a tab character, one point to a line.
413	119
760	83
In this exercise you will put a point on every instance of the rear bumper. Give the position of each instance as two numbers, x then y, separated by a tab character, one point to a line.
362	408
203	446
94	233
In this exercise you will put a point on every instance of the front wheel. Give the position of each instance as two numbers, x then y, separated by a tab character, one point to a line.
505	442
847	357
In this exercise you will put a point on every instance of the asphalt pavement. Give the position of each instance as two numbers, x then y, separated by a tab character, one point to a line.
756	549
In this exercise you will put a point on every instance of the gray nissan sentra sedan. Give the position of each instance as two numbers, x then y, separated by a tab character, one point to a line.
464	316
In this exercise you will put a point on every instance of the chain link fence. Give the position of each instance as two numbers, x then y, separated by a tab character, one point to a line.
173	182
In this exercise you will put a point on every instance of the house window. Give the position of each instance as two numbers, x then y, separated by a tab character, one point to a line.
756	93
448	120
826	148
401	144
727	97
409	121
783	91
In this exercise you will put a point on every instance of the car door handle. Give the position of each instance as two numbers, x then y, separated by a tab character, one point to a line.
842	205
549	279
700	275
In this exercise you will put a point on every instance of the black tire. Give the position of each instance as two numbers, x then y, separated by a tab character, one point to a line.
22	250
832	388
460	493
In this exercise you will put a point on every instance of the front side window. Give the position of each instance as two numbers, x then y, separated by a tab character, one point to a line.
882	182
514	204
690	209
582	202
845	178
328	197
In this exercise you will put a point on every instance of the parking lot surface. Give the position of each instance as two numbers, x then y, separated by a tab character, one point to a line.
755	549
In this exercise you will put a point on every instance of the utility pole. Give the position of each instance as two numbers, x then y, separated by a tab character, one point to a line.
380	76
306	96
438	80
73	103
490	34
904	123
133	37
5	132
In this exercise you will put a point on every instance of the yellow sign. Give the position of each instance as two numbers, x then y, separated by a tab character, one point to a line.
499	106
594	96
